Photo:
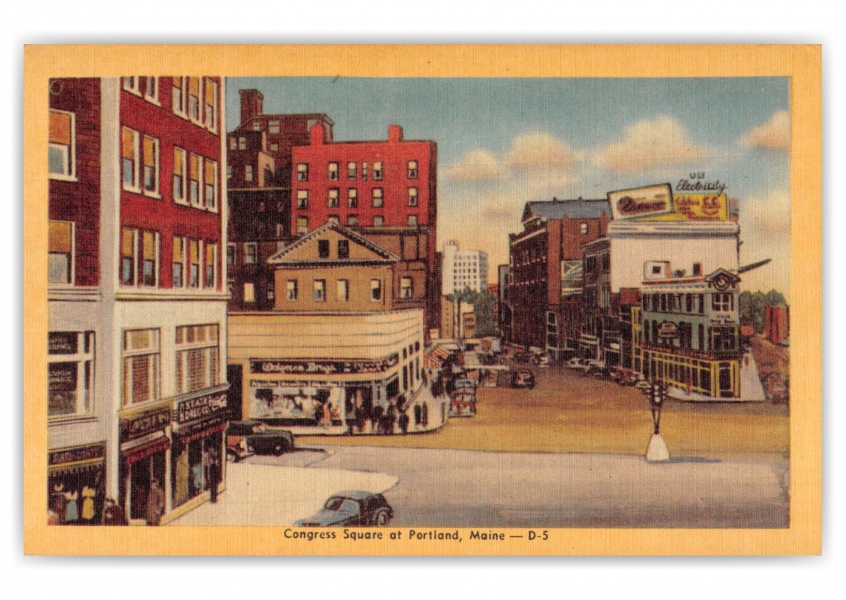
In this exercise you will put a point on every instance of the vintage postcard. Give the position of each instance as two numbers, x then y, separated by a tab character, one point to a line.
422	300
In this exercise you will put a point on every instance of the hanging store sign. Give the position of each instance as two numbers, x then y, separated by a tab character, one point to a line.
143	424
323	367
647	201
196	409
668	329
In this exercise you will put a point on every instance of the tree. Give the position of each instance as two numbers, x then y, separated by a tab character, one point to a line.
483	304
751	306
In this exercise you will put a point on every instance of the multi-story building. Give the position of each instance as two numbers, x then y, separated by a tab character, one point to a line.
463	269
385	190
341	335
504	318
687	331
553	232
137	308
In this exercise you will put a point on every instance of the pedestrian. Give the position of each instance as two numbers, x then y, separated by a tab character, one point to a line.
390	419
214	473
360	417
88	494
59	503
72	509
377	418
327	415
155	503
403	422
113	514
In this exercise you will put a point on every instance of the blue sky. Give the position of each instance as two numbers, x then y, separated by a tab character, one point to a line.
502	142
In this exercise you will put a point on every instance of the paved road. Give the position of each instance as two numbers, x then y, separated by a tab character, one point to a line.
452	488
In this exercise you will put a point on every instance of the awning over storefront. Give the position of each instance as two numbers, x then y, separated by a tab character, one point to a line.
200	430
142	451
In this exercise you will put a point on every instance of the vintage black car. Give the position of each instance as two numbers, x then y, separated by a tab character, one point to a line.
357	508
253	437
523	378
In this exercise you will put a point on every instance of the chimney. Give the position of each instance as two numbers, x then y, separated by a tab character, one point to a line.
394	133
317	134
252	104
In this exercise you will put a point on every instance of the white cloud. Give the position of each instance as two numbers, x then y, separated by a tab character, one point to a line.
650	143
476	165
773	135
765	232
539	152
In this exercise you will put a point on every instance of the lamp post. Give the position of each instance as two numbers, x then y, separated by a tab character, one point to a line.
657	451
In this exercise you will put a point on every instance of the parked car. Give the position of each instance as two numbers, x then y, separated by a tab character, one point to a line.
253	437
542	360
465	384
597	367
623	376
522	378
578	364
462	404
357	508
643	385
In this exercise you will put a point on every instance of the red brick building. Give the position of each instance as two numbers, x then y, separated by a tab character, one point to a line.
553	235
137	307
777	324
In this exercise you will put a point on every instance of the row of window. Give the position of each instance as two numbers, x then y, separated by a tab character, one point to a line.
193	98
722	337
353	170
687	303
194	177
342	289
71	366
377	198
194	262
352	221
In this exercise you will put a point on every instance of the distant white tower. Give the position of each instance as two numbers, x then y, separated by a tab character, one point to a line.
463	269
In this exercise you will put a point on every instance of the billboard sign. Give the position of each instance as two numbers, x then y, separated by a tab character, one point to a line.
642	202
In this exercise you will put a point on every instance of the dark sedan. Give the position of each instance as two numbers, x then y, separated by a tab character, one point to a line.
356	508
253	437
523	378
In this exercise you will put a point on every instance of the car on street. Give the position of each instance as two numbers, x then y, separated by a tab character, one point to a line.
462	404
254	437
465	384
523	378
578	364
541	360
643	385
356	508
597	368
623	376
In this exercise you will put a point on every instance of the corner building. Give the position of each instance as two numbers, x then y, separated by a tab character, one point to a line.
137	309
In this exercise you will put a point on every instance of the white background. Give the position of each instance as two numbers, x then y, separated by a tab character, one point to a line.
526	21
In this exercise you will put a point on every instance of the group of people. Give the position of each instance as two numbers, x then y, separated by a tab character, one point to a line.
71	506
380	420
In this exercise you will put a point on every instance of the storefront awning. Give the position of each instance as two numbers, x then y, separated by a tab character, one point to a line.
143	451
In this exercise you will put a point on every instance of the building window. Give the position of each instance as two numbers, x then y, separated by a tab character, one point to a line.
249	292
378	221
230	254
250	253
194	174
151	89
302	172
351	171
242	143
151	166
178	96
141	361
70	373
333	171
406	288
179	166
291	292
233	143
61	244
229	171
302	225
375	289
128	242
248	173
697	268
377	198
274	147
364	171
320	290
210	183
412	220
323	248
352	220
377	171
333	198
343	249
129	152
584	228
256	125
412	169
412	196
150	259
343	290
273	126
722	302
352	197
194	99
302	199
61	156
193	263
178	262
197	357
211	265
211	104
132	85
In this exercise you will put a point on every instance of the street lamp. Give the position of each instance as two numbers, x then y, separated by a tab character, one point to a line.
657	451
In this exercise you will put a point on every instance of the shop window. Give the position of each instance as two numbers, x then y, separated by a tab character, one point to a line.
211	266
194	174
178	262
412	196
352	198
211	105
343	290
302	172
291	291
375	290
412	169
197	356
250	253
406	288
377	171
333	198
70	373
333	171
141	360
151	166
179	175
60	266
129	163
319	290
249	293
351	171
151	89
323	248
61	156
343	248
178	96
302	199
210	183
193	263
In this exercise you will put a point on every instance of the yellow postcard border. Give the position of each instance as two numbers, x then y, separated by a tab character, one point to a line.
802	63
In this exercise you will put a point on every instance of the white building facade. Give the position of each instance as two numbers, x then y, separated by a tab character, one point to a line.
463	269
